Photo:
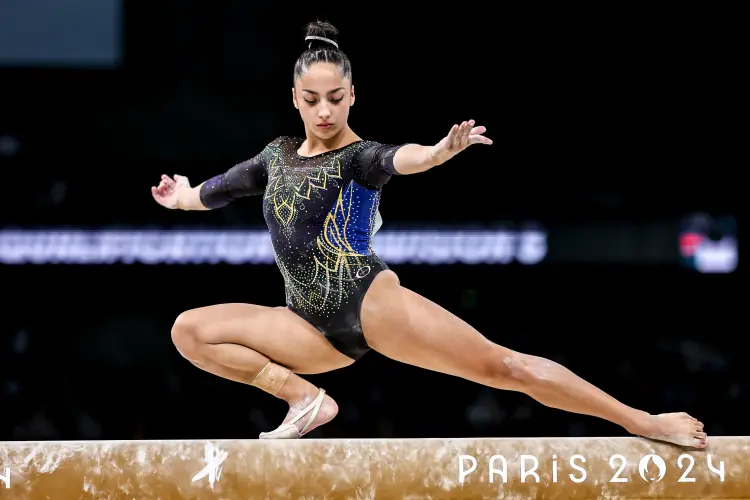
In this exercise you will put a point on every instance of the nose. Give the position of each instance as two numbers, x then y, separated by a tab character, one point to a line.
324	112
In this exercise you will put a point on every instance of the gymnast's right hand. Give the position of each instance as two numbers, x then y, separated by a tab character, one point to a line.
166	193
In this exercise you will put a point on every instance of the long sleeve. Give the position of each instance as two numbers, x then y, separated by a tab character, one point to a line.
248	178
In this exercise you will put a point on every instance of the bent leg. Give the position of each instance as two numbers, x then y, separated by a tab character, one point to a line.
275	332
261	346
406	327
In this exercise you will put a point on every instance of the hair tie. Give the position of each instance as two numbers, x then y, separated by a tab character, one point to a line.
323	39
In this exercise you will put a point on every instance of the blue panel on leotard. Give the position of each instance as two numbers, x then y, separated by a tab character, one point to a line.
351	221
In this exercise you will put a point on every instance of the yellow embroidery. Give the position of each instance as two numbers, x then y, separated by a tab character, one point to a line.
288	187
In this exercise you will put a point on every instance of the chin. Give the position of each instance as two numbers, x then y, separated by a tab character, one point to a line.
326	134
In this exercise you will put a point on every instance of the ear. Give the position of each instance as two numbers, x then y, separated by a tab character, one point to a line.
294	98
351	102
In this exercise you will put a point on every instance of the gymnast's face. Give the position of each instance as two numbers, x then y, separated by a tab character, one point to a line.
323	98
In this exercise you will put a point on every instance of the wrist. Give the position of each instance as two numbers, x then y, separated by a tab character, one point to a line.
431	158
182	199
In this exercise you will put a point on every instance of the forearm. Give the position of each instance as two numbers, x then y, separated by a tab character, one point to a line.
413	159
188	198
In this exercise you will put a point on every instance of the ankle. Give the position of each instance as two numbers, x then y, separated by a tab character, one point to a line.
297	390
640	423
302	399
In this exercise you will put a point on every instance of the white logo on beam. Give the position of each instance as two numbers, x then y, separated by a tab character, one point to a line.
213	458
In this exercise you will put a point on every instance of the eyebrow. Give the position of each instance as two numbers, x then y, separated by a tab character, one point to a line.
330	91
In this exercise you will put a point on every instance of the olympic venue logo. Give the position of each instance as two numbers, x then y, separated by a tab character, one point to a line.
651	468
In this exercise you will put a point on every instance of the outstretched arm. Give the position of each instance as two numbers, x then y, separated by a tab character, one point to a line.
413	158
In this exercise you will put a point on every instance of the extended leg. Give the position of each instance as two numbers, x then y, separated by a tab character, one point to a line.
406	327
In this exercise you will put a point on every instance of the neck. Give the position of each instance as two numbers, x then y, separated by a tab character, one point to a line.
315	145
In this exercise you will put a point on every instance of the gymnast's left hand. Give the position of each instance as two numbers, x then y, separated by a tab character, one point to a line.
459	138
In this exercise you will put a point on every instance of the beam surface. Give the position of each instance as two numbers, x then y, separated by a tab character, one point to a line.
549	468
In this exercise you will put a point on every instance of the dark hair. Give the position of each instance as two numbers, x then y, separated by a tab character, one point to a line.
322	46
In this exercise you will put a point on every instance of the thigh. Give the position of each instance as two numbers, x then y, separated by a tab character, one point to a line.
275	332
406	327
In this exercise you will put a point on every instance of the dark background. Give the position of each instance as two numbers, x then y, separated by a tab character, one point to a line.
609	127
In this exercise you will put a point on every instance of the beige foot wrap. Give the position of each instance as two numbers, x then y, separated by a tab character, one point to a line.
289	430
271	378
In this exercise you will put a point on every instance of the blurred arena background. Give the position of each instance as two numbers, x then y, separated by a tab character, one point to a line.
601	229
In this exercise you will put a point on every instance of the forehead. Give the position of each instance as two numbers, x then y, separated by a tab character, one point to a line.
322	77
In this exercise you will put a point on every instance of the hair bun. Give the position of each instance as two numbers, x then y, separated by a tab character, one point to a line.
320	34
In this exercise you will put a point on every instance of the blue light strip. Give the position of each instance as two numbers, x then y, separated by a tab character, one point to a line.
427	247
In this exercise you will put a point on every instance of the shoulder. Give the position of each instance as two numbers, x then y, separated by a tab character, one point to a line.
364	149
365	144
281	141
276	147
370	153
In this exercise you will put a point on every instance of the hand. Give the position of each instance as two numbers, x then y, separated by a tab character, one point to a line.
166	192
459	138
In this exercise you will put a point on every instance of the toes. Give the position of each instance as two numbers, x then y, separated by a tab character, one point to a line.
700	439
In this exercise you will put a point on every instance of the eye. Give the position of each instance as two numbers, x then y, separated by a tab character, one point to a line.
336	99
309	102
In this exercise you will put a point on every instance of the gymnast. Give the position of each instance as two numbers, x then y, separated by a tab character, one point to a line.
320	198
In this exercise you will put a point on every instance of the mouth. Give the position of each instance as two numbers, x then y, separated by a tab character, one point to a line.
325	126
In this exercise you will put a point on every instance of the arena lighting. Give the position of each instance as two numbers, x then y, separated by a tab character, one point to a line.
708	244
153	247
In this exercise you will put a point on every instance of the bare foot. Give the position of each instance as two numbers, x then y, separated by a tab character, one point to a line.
290	429
676	428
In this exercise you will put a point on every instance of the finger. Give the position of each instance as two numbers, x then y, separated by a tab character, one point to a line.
459	134
157	196
168	180
452	134
465	135
479	139
469	127
478	130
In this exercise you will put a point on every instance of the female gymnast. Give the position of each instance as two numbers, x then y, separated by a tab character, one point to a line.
320	201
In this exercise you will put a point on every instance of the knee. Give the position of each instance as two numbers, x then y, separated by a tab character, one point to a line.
188	333
521	372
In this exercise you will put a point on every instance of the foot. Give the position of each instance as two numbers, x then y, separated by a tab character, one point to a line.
676	428
303	417
328	410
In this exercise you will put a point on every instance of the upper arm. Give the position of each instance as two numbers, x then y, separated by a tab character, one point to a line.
248	178
374	165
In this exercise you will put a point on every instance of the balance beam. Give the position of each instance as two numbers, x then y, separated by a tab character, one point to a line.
564	468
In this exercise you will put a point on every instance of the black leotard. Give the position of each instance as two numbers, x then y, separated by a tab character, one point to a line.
320	211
